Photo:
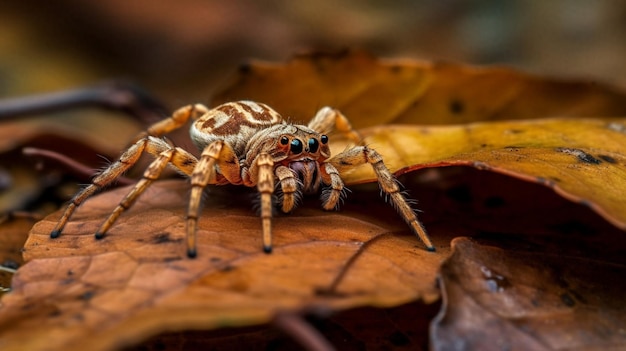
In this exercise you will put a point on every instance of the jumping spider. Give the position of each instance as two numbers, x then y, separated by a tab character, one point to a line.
248	143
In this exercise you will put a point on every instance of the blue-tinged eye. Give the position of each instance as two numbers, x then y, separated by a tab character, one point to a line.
284	140
324	139
296	146
313	145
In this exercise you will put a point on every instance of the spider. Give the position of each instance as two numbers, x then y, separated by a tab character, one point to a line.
248	143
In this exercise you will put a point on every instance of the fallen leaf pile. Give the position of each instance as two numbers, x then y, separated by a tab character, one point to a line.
541	269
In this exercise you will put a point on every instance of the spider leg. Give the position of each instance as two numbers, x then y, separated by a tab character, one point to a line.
176	120
127	160
327	118
261	173
178	157
388	184
200	178
334	193
265	186
289	186
217	153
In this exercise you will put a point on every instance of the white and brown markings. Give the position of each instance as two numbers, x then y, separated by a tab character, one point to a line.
248	143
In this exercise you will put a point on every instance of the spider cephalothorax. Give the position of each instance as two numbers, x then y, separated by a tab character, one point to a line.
248	143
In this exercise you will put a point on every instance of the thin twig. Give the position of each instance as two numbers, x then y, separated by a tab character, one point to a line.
117	95
332	288
79	168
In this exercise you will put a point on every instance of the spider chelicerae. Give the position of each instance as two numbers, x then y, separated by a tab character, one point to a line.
248	143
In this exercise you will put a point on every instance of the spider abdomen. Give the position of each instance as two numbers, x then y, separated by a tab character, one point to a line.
233	122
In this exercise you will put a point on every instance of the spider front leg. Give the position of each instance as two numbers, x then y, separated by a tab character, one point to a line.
216	154
334	193
388	184
289	187
261	173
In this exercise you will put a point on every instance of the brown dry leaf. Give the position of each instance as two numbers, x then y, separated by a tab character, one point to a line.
372	91
583	160
503	299
14	230
137	282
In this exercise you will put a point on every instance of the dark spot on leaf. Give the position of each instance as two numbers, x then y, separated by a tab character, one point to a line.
54	313
516	131
163	238
589	159
608	158
87	295
399	339
457	107
494	202
228	268
568	300
396	68
580	154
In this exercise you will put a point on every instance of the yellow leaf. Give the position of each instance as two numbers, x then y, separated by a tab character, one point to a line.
583	160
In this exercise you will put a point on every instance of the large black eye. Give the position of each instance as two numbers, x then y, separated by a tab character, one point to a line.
313	145
324	139
284	140
296	146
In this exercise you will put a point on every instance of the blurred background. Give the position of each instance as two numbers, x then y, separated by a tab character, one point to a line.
183	50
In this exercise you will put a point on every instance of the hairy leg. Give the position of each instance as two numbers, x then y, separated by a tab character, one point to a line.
289	186
332	194
328	118
388	184
178	157
127	160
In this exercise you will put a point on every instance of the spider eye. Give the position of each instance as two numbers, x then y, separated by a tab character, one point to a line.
313	145
284	140
296	146
324	139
